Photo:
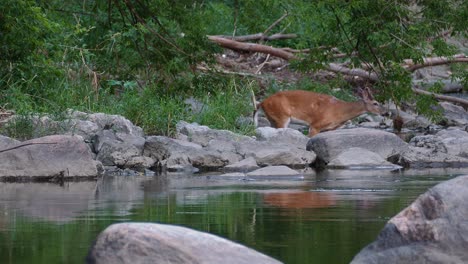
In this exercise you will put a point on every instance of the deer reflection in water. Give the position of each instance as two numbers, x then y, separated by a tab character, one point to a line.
300	199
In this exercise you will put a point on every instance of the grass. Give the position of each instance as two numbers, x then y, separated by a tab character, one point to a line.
224	102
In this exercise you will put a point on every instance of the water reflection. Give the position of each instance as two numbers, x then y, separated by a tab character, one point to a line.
296	200
322	218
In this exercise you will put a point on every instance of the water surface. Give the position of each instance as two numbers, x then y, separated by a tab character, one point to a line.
324	218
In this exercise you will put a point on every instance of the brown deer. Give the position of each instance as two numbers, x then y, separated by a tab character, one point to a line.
320	111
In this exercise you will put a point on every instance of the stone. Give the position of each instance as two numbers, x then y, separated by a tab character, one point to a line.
267	154
47	157
170	153
158	243
433	229
273	171
245	165
282	135
359	158
454	114
202	135
328	145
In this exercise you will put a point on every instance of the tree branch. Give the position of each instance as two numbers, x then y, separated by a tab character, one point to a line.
251	47
462	102
337	68
434	61
258	36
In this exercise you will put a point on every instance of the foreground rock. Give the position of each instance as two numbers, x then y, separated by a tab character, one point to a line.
48	157
433	229
157	243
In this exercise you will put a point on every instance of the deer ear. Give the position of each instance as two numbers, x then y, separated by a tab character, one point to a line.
367	94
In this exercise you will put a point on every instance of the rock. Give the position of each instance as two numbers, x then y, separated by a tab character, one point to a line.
6	142
433	229
174	153
117	123
416	122
358	158
282	135
328	145
418	158
158	243
120	149
455	115
195	106
431	73
202	135
273	171
455	142
245	165
268	154
447	148
47	157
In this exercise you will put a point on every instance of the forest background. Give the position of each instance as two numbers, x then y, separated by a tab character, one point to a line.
144	58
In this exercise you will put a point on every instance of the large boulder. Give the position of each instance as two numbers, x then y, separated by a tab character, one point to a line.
328	145
156	243
433	229
47	157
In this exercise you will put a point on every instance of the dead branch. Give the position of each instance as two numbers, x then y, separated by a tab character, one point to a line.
258	36
251	47
462	102
27	144
337	68
275	23
434	61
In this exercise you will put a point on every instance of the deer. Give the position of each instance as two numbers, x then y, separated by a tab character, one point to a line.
321	112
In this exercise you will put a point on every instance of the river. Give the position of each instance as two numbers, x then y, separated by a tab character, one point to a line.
320	218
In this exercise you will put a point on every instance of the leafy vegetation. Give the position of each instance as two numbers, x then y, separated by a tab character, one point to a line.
140	58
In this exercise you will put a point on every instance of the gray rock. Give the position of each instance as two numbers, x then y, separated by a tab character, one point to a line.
268	154
120	149
171	153
47	157
273	171
6	142
358	158
282	135
455	115
329	145
452	142
433	229
117	123
202	135
157	243
420	157
245	165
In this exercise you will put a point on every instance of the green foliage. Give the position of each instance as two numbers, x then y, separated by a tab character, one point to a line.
125	56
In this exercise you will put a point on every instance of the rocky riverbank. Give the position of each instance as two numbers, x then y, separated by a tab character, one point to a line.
90	145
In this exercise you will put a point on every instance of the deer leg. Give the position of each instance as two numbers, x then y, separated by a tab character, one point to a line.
312	131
